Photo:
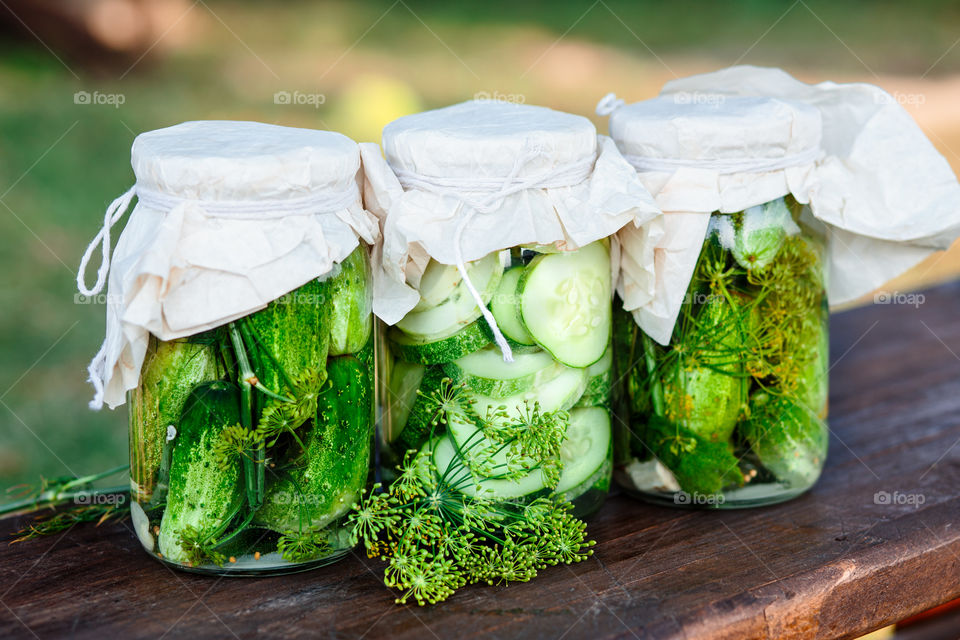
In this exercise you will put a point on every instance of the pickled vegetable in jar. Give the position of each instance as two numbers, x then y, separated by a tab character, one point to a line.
240	320
496	346
776	196
732	411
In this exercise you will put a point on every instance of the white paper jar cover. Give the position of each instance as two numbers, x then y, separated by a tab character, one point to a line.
461	182
230	215
743	136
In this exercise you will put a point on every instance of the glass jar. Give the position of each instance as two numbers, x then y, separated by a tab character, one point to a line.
731	412
251	442
554	309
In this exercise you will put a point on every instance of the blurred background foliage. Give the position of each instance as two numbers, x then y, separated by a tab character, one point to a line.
367	63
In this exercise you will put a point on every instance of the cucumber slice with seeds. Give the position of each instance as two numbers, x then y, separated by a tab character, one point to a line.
437	284
486	373
460	309
586	449
445	453
565	303
505	308
560	392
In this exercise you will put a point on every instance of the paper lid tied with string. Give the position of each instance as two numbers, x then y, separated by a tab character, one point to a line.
743	136
229	216
461	182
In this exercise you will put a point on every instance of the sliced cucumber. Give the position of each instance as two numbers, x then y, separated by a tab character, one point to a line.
586	450
437	284
405	378
486	373
460	309
565	303
560	392
473	337
505	308
447	458
599	382
419	421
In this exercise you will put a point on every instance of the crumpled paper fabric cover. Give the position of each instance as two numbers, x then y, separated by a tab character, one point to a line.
887	198
179	272
492	142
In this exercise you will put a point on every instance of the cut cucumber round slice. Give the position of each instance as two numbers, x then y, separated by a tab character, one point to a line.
560	392
505	308
565	303
437	284
405	378
486	373
460	309
448	460
586	448
473	337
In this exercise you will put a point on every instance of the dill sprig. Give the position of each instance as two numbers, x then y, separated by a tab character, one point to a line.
88	504
302	546
438	530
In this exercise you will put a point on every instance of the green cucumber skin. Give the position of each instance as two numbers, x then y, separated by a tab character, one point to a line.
337	455
473	337
170	371
715	395
351	301
201	494
295	330
418	427
787	437
597	393
501	388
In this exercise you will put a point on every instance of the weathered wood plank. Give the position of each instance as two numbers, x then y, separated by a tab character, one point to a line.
831	564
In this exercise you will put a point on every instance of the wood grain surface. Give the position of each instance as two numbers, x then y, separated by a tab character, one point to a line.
834	563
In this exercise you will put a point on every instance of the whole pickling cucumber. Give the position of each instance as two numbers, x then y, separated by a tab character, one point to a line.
289	339
707	397
788	438
311	495
351	304
202	495
170	371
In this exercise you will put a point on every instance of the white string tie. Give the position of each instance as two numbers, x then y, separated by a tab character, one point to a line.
327	201
725	166
490	193
608	104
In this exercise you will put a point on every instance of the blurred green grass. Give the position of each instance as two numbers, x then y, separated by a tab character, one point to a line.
62	163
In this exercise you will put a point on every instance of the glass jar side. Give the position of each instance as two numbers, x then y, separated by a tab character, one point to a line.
251	442
449	394
731	413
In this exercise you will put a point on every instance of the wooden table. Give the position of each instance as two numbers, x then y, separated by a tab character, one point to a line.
834	563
